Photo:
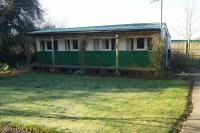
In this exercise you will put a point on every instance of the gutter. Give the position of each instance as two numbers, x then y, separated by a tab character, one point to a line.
84	32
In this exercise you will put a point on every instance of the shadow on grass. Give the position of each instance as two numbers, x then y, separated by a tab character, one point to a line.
160	122
44	87
42	83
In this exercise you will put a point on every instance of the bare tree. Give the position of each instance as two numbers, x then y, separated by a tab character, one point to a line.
49	24
189	26
191	11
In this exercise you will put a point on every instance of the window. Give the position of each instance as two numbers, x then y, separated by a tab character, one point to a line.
140	43
75	44
149	43
96	44
113	43
67	45
42	46
55	45
130	44
49	47
105	44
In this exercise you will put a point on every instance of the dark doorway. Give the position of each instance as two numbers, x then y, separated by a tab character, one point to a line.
55	45
113	44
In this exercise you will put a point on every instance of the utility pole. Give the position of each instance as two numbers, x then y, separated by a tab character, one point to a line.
161	28
161	21
161	12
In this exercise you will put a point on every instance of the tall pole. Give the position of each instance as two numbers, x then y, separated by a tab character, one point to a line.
161	33
161	21
161	29
161	12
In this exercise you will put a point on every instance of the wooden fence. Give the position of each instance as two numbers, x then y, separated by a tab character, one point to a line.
178	48
178	53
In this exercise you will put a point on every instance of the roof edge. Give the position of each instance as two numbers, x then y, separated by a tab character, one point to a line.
100	28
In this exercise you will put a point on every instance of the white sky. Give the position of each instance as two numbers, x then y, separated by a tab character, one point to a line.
75	13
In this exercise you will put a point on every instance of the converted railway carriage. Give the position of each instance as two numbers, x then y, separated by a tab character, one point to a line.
125	46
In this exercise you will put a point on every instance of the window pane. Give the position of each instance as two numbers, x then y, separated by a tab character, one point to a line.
113	41
55	45
140	43
42	46
105	44
67	45
75	44
132	44
49	47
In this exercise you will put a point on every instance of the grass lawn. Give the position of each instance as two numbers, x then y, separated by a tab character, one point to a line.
87	104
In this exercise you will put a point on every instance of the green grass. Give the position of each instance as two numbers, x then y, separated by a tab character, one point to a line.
87	104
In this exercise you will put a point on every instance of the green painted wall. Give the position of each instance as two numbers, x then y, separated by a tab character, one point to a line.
134	59
97	58
100	58
44	58
67	57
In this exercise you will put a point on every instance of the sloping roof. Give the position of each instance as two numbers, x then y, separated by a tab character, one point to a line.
105	28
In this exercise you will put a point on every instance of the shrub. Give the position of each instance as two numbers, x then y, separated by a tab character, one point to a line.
11	58
179	61
157	56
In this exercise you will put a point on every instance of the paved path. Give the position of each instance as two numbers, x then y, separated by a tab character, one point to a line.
192	125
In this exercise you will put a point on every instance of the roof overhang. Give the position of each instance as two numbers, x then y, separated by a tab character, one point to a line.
100	29
87	32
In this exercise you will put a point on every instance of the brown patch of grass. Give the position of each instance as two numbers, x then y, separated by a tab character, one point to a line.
8	127
10	73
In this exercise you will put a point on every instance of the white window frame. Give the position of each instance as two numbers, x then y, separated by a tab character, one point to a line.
73	45
145	44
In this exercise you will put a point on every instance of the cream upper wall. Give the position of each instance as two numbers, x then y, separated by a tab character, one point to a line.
90	45
61	44
122	44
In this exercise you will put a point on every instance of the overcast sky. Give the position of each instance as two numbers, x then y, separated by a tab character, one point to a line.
75	13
